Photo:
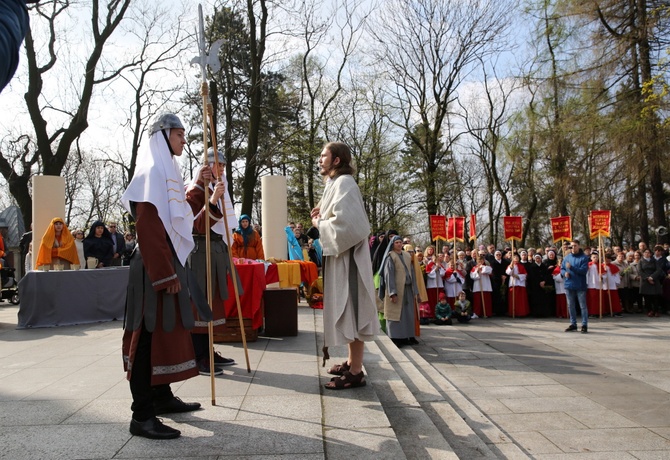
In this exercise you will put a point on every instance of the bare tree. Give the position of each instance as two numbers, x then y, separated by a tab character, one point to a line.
335	33
53	141
425	48
486	116
156	79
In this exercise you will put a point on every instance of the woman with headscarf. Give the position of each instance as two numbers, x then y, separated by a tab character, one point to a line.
98	243
57	246
398	289
247	242
382	249
375	241
535	282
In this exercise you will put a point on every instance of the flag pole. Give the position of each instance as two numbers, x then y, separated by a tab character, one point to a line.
600	275
513	290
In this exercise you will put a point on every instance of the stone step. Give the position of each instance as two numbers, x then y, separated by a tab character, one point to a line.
428	400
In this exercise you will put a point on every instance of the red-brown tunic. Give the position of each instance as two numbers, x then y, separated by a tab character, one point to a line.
172	356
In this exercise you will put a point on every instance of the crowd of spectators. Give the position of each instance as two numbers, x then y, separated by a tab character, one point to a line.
529	282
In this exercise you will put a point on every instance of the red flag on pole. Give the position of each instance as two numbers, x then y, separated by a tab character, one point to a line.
438	227
561	228
599	223
456	229
513	227
473	227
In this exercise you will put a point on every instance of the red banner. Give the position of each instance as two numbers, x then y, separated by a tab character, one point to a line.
473	227
456	229
438	227
561	227
599	223
513	226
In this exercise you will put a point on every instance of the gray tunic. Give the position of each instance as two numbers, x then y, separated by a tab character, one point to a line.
404	328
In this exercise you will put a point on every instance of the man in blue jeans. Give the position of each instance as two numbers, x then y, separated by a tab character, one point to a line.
573	269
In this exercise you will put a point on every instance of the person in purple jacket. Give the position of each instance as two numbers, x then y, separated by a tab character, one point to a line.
574	268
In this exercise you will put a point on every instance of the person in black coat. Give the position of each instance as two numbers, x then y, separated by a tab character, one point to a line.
535	282
498	280
99	244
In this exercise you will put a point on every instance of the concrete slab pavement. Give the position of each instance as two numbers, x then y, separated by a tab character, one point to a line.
63	395
564	395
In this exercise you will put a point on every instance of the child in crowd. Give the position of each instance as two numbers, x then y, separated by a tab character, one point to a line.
462	308
442	311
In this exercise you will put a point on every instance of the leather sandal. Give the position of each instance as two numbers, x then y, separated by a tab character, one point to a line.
339	369
346	381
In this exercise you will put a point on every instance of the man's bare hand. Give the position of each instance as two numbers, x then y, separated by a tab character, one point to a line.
174	289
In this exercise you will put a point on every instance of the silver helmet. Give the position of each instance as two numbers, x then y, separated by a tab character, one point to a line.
164	121
210	156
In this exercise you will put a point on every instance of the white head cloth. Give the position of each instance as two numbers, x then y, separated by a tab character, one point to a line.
158	181
226	207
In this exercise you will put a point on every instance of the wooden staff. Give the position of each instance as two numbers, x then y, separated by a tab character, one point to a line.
204	92
609	294
513	290
600	275
230	253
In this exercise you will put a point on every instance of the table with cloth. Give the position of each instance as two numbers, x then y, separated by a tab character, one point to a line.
60	298
253	282
63	298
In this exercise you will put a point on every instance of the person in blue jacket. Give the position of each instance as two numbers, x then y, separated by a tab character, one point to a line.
573	269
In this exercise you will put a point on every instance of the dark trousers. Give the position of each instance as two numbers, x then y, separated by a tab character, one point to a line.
498	298
200	346
143	393
651	302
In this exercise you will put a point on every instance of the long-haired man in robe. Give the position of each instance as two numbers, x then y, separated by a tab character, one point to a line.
349	311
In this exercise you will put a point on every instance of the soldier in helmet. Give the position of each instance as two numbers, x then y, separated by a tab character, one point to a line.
157	346
218	206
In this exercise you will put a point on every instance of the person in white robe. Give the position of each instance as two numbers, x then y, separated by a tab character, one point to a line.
350	311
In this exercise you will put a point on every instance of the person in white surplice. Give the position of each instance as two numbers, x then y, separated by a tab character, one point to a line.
349	310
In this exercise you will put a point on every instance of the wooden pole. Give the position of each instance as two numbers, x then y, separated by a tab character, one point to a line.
607	273
600	276
233	272
513	290
204	92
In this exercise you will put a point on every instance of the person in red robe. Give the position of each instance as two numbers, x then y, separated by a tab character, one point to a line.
596	291
611	280
157	347
561	299
481	287
517	299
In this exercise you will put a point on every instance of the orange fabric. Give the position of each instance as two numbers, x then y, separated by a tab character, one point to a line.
66	250
2	247
308	270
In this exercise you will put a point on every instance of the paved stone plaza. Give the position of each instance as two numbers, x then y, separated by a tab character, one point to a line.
496	388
